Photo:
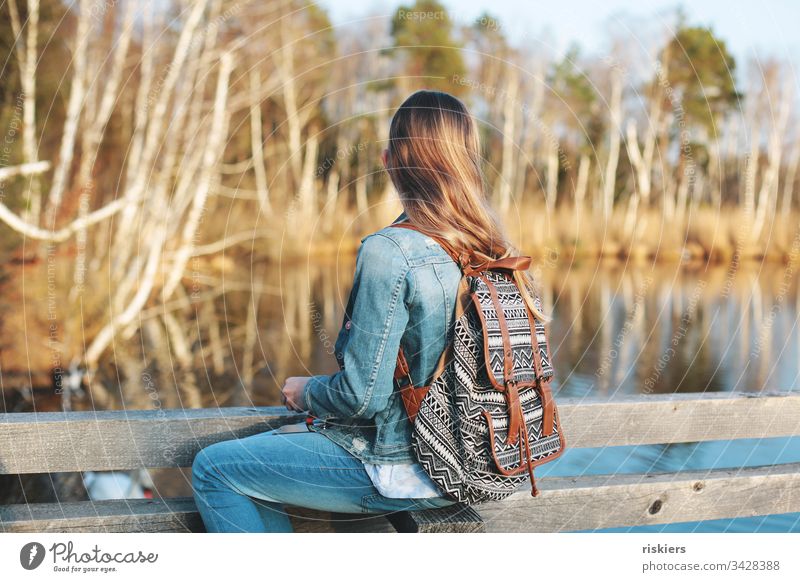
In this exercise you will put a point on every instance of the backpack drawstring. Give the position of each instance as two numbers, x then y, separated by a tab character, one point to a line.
524	439
517	431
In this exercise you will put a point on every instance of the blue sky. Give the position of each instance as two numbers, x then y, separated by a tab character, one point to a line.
749	27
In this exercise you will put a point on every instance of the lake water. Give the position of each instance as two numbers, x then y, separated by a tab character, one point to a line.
618	329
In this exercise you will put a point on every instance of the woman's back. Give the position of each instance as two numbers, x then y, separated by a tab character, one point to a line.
403	294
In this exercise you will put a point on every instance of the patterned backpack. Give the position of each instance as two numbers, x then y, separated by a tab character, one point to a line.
488	417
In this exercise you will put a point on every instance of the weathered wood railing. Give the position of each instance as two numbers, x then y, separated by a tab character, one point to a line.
123	440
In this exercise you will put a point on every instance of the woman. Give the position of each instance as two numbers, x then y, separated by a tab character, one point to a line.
356	456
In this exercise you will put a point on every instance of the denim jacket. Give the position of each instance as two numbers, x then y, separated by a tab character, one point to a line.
403	293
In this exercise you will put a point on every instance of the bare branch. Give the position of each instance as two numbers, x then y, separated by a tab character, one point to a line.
16	28
74	107
62	234
229	241
257	142
23	170
146	283
28	76
211	157
156	123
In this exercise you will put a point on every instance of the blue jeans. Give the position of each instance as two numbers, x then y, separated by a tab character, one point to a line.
242	485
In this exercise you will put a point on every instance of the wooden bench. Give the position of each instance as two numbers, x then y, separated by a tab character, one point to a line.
123	440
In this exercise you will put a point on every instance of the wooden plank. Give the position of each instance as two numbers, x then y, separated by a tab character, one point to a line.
675	418
119	439
128	515
458	518
111	440
601	501
342	523
565	504
177	515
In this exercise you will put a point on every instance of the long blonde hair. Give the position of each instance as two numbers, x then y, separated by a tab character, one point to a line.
434	162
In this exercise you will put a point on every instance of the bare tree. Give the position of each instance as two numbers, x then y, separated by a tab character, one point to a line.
615	114
257	141
27	57
510	112
768	193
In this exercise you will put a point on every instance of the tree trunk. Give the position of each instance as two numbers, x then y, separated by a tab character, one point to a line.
609	183
791	174
768	193
211	156
552	177
583	180
506	178
73	115
27	64
257	143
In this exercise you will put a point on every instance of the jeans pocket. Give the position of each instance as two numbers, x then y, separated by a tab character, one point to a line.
373	503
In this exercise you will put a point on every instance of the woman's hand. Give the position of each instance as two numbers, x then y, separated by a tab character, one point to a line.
292	392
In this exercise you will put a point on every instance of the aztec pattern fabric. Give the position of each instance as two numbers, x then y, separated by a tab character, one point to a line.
462	431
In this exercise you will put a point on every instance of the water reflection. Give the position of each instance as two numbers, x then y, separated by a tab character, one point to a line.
670	329
617	328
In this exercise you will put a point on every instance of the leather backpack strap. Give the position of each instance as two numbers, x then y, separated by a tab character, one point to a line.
547	395
413	395
548	405
509	385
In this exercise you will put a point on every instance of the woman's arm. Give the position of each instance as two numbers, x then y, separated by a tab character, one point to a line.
382	286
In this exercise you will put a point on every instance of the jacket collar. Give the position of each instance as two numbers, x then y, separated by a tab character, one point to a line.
401	218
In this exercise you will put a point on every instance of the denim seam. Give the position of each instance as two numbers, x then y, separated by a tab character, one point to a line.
447	302
419	503
432	260
283	465
419	261
383	448
344	439
384	339
400	248
414	277
306	400
366	499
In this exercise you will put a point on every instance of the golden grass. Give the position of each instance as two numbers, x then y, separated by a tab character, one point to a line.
707	234
572	233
